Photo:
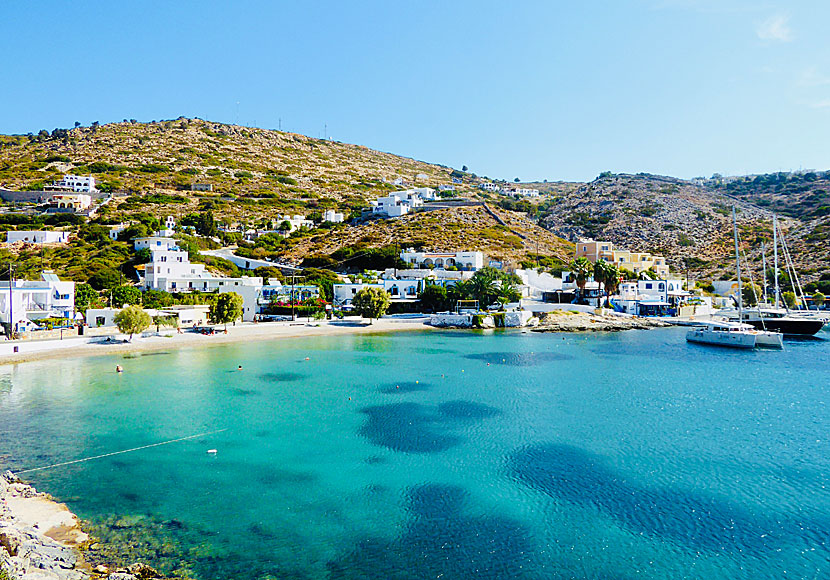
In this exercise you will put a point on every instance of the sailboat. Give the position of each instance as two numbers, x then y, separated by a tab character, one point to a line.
773	317
735	334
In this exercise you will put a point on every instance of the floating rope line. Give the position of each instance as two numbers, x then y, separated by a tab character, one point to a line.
120	452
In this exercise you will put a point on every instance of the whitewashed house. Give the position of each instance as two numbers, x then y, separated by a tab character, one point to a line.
116	230
155	243
333	216
32	300
295	222
37	237
489	186
462	260
71	201
399	290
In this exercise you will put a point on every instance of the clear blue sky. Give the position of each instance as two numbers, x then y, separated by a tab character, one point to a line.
540	89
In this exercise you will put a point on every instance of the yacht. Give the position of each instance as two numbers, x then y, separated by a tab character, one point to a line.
734	335
780	320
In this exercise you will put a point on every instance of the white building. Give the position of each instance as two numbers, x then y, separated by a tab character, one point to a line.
446	188
391	205
295	222
38	237
523	192
332	216
489	187
400	203
32	300
169	223
186	316
73	201
78	183
155	243
168	265
462	260
398	290
117	229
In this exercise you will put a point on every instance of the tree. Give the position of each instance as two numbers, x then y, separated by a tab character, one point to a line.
132	319
371	303
166	321
433	298
122	295
228	308
156	299
77	124
751	294
85	297
818	299
104	277
582	268
464	168
789	299
516	180
285	226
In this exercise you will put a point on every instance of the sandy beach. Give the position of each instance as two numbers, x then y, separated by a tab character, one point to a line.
167	339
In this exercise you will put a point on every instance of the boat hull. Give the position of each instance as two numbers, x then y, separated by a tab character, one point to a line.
725	339
792	326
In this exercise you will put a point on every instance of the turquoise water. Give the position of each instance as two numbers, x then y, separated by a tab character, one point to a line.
443	455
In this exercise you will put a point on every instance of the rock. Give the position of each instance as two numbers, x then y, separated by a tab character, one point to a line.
101	569
143	571
10	477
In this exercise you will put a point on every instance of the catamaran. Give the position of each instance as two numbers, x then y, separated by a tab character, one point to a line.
735	334
772	316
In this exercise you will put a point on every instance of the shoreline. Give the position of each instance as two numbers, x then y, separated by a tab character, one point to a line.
241	333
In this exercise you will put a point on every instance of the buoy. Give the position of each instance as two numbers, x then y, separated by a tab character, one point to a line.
488	364
211	451
239	368
416	382
350	398
397	386
118	369
307	358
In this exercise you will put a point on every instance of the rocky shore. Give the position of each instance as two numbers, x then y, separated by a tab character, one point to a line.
565	321
41	539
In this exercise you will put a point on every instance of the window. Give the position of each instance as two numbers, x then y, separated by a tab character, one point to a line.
605	248
648	285
662	287
100	321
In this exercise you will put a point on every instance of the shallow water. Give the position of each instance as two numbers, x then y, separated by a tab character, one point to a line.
442	454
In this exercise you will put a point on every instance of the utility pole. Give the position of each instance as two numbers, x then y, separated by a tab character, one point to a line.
11	302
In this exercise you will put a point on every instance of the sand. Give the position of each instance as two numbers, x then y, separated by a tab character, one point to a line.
241	332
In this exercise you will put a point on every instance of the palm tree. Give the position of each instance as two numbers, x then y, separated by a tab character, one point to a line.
611	281
582	268
600	271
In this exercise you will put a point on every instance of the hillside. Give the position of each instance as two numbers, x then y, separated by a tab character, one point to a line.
256	175
690	223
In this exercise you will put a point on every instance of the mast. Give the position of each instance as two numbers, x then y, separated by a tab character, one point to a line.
775	253
738	265
764	270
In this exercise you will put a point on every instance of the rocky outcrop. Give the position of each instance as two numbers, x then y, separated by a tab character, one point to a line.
40	539
563	321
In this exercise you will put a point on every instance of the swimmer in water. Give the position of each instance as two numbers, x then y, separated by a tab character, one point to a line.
118	369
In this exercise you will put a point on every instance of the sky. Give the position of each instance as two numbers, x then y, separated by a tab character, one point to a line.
542	89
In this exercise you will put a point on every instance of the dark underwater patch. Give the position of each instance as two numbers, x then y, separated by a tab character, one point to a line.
687	517
415	428
441	541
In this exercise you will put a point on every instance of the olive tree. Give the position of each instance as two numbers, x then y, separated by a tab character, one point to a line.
227	308
371	303
132	319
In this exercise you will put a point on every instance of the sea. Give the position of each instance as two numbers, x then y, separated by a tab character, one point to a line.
439	454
